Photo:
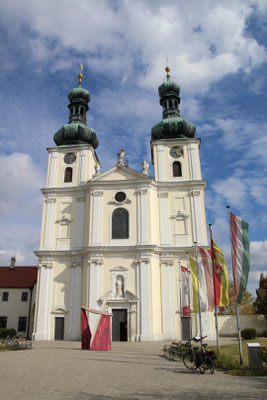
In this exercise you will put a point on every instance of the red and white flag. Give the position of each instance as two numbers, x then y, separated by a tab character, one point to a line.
207	266
186	295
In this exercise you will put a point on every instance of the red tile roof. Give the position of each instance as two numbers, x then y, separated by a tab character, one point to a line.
18	277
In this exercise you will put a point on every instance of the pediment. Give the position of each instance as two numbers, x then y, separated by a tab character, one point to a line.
59	310
119	269
121	173
129	296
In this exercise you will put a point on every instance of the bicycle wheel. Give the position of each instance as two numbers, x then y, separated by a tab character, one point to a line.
189	360
202	369
210	365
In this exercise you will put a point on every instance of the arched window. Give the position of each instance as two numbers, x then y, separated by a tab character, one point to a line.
176	168
120	224
82	110
68	175
170	104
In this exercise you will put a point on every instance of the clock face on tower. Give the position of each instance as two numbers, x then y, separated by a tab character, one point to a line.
69	158
176	152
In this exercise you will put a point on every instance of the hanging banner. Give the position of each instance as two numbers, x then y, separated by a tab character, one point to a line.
102	338
186	292
85	331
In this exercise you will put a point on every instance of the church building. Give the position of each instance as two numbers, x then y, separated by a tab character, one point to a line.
118	238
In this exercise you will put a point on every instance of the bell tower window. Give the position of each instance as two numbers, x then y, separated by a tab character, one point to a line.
120	224
176	169
68	175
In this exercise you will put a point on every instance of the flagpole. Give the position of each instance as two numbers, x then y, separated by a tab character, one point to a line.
215	307
236	301
188	285
200	324
180	293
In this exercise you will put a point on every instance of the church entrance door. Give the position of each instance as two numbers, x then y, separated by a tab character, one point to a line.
59	328
119	325
186	334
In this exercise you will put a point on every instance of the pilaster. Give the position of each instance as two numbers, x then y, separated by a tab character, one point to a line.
79	220
144	295
197	212
49	222
164	218
143	216
167	297
95	288
75	299
161	172
43	306
97	217
192	149
53	172
82	169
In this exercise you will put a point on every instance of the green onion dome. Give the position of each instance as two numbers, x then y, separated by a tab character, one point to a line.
172	124
169	87
173	127
79	93
76	131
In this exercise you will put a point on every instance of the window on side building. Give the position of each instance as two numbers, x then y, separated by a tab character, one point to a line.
24	296
22	324
5	296
3	322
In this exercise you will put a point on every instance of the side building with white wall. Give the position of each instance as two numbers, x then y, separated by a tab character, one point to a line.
17	298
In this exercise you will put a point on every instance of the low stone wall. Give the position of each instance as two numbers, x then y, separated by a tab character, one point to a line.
227	324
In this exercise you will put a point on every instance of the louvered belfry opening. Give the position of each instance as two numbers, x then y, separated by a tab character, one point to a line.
177	168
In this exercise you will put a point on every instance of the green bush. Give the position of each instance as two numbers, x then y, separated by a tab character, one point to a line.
248	333
265	333
263	354
7	332
226	362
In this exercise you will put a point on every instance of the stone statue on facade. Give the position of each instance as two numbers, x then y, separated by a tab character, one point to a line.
145	166
119	287
121	154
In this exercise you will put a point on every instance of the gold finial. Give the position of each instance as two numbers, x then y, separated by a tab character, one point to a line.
167	69
80	75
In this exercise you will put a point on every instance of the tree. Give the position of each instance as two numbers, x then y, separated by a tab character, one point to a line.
246	306
261	299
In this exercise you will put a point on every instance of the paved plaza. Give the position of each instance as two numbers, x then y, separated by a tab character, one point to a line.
61	370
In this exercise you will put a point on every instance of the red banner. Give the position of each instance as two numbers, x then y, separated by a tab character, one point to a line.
102	339
85	331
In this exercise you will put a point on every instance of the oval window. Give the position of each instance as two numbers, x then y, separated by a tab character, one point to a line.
120	196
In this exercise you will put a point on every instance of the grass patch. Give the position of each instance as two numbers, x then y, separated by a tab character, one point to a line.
228	360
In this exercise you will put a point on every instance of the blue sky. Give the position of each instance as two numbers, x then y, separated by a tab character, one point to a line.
217	52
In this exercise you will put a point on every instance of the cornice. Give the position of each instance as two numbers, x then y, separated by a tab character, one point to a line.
148	248
174	142
64	190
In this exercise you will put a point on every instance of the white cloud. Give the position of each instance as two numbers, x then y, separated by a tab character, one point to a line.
20	180
205	41
258	252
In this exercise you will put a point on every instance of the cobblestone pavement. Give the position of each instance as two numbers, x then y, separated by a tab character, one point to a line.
61	370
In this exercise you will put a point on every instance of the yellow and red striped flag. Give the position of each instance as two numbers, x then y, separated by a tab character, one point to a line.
220	276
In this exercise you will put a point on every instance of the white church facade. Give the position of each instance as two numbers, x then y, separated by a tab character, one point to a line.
118	237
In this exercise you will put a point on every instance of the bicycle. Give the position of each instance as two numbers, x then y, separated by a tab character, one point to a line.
194	358
199	357
208	357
